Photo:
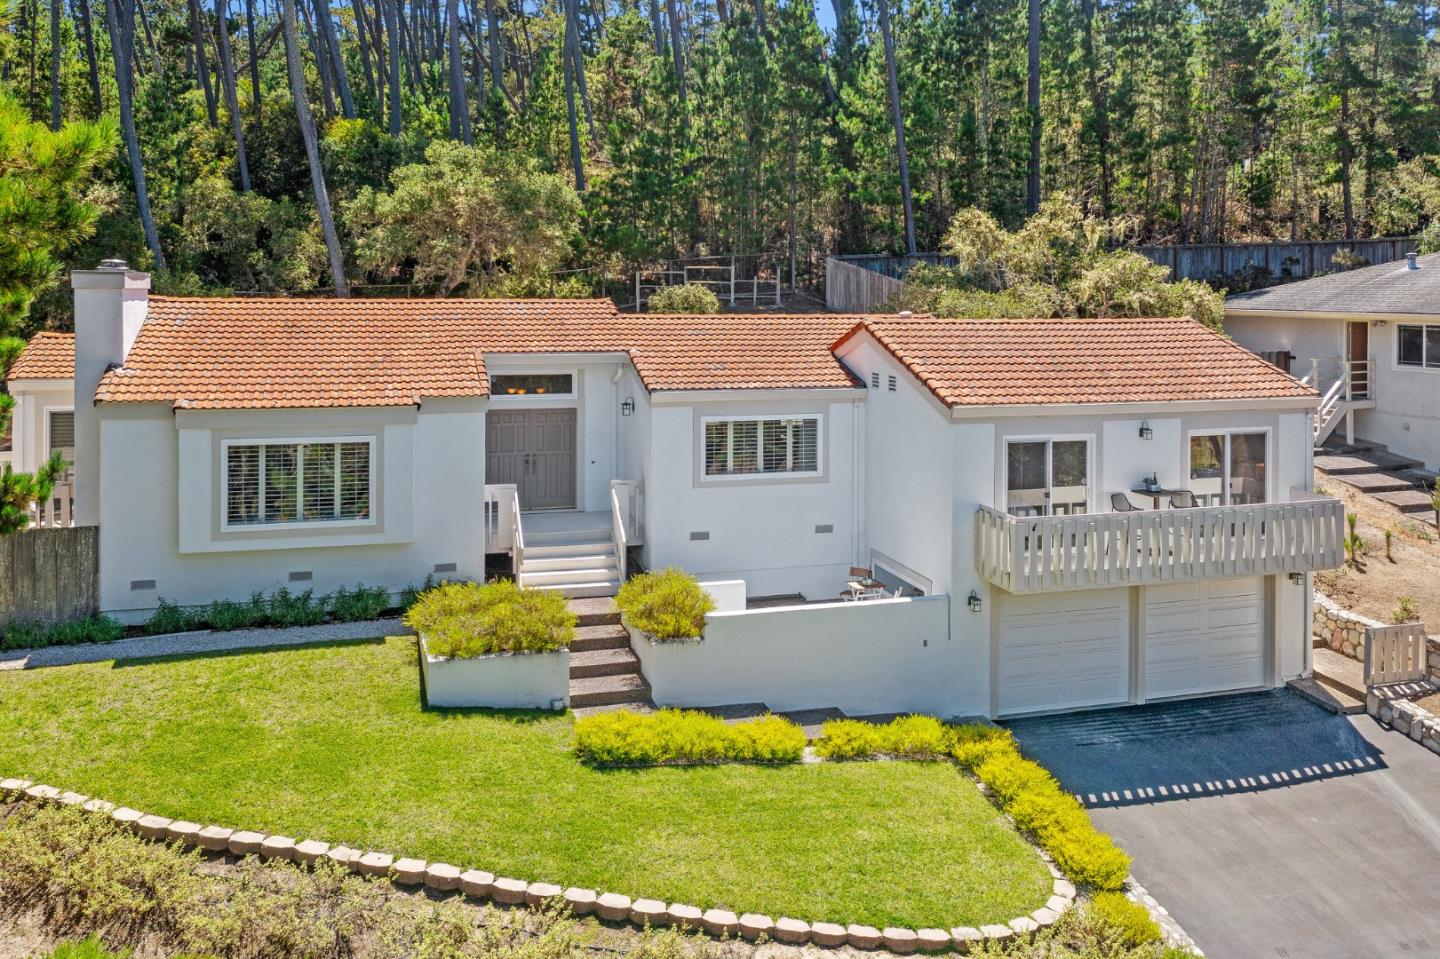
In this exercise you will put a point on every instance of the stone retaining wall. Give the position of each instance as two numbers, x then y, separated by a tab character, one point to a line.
1405	716
1342	630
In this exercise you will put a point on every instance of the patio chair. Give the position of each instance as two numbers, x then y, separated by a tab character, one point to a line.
860	572
1182	499
1120	503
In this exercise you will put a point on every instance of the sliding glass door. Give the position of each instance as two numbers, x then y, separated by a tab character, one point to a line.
1228	468
1047	477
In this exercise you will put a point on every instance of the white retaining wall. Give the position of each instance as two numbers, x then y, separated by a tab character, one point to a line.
498	681
876	656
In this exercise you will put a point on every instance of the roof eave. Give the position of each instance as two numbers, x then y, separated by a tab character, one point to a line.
972	411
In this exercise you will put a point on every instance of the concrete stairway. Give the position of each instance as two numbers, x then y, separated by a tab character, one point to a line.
604	670
1392	479
1338	682
577	562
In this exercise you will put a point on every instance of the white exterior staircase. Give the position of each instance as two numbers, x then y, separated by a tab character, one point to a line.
576	562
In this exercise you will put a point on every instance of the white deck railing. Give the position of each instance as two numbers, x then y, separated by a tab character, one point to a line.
1395	654
629	503
58	510
1031	554
500	517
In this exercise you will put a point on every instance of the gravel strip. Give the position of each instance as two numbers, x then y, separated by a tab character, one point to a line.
200	641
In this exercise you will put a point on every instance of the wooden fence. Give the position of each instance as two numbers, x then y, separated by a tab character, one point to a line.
50	574
854	289
1395	654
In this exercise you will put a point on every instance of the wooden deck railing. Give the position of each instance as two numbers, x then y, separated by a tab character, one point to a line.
1031	554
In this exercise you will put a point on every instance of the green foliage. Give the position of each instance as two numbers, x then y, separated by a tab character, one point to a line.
285	608
1406	610
907	737
464	620
21	492
683	298
170	618
37	634
1354	543
667	604
1026	791
226	614
90	948
1130	920
360	603
624	738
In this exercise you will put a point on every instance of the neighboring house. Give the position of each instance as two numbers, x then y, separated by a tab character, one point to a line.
229	445
42	382
1367	339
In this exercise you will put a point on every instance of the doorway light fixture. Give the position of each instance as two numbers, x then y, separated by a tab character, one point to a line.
973	602
628	406
1146	433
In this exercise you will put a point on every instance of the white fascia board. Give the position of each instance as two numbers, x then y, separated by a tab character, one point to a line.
692	397
38	385
1329	315
1156	410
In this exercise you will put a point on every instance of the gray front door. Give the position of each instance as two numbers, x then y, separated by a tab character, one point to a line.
535	450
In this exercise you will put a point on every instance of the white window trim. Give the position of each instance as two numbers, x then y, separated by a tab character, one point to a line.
1227	432
1002	478
1410	367
300	524
818	471
49	412
574	393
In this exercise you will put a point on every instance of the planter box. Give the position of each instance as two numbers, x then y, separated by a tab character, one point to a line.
497	680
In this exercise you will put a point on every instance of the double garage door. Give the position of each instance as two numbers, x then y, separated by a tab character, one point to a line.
1072	650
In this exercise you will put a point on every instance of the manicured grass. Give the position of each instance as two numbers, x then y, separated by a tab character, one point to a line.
331	743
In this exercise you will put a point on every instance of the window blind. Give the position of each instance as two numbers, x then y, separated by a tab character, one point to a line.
740	447
269	483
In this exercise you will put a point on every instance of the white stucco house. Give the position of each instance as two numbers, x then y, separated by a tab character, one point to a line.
1368	340
975	467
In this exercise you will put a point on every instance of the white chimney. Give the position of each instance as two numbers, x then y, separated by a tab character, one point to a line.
110	306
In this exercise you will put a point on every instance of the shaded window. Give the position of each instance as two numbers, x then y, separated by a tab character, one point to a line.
1411	346
532	384
1045	477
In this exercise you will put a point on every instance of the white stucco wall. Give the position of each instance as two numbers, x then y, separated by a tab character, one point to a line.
154	527
867	657
29	435
761	530
1406	417
497	681
1306	338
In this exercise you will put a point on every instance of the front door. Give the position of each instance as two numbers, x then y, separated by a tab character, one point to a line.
535	450
1357	350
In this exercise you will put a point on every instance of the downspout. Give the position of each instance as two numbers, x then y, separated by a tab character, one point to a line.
857	484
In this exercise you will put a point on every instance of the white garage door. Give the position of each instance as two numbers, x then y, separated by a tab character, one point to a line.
1063	651
1203	637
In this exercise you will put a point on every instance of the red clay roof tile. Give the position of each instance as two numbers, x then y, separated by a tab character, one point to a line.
48	356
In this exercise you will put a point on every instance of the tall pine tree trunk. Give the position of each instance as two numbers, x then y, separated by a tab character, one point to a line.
577	58
198	31
576	160
55	113
459	102
898	120
296	70
1032	104
254	42
120	17
1099	103
326	23
492	37
232	96
362	40
92	64
392	56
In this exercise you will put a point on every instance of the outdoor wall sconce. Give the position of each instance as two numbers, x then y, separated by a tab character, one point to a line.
973	602
627	407
1298	579
1146	433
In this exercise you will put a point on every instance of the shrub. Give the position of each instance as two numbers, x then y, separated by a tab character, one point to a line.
685	298
285	608
359	604
91	948
464	620
668	604
170	618
908	737
37	634
683	736
1040	807
224	614
1130	920
1406	610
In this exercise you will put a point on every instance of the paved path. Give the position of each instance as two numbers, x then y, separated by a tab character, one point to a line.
1267	826
202	641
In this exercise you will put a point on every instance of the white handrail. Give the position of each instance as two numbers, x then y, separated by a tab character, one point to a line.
617	531
517	534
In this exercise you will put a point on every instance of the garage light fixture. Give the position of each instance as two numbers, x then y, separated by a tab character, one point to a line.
1298	579
1146	433
973	602
627	407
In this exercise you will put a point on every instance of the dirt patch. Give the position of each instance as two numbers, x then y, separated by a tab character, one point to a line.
1374	586
1430	703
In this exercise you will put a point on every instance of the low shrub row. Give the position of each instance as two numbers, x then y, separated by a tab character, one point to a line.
280	608
908	737
666	604
38	634
463	620
1033	798
673	736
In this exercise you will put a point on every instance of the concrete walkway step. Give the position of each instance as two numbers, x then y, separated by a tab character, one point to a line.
1337	702
603	662
636	707
1377	482
1373	461
1339	672
609	690
589	638
595	611
1407	501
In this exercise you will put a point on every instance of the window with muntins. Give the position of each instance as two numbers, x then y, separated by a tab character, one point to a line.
1417	345
310	482
746	447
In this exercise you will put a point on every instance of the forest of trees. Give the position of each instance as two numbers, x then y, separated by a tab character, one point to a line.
481	145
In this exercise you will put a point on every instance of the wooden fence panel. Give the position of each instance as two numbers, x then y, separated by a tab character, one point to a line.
50	574
855	289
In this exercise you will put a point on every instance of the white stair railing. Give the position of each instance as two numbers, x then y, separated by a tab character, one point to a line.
617	532
1332	409
517	536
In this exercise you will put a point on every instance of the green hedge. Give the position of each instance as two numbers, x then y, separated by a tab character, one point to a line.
668	604
463	620
37	634
1131	921
280	608
1041	807
681	736
908	737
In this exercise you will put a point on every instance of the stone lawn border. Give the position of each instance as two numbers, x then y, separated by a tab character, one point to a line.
608	906
1392	706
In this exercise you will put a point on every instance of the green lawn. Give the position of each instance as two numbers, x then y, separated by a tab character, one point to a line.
331	743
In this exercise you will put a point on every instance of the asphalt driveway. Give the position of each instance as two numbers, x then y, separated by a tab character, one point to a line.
1267	826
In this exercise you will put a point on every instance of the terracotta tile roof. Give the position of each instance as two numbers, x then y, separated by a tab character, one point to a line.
48	356
1069	361
236	353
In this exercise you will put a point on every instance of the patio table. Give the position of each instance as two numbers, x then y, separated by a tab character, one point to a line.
1156	494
